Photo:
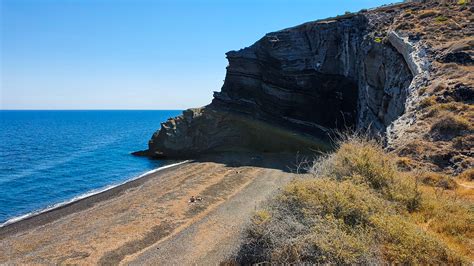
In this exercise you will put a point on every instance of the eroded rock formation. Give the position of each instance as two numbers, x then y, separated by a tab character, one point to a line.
292	88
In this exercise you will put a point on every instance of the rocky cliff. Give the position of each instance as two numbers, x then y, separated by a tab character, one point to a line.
292	88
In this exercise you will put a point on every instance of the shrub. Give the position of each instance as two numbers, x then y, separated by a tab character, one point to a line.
261	217
441	18
463	142
329	221
357	156
318	221
433	111
428	101
467	175
405	163
346	201
448	123
406	243
455	107
421	91
439	87
359	209
438	180
364	161
413	147
339	245
450	217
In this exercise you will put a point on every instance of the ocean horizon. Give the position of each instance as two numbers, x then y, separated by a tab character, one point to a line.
52	157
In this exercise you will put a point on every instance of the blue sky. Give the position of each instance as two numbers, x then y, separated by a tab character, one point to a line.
135	54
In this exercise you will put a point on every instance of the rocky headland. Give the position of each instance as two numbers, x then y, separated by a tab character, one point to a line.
370	71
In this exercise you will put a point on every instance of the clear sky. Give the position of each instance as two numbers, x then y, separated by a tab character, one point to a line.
135	54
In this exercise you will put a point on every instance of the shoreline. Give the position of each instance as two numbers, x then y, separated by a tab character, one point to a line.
131	221
78	203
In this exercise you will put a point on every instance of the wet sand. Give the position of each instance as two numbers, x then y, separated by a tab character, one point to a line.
149	220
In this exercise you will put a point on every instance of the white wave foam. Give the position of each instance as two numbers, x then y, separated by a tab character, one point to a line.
85	195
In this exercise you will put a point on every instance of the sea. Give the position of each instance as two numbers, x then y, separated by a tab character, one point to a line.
51	158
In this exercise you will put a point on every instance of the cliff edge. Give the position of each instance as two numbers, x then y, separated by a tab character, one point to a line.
386	70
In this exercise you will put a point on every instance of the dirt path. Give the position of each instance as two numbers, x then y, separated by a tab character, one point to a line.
216	236
130	223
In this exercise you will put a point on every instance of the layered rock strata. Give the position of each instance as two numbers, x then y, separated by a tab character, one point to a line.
307	81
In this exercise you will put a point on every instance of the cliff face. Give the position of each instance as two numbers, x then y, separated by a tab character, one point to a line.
292	88
308	80
317	77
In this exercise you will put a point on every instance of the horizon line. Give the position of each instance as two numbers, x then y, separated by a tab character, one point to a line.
92	109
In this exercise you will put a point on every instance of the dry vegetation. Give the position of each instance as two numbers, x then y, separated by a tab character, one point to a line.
358	207
441	137
414	205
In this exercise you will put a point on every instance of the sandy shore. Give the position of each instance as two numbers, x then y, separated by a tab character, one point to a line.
149	220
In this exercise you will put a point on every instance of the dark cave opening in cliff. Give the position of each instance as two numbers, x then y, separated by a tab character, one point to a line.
335	106
317	103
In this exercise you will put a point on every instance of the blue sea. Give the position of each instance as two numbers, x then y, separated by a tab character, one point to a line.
48	158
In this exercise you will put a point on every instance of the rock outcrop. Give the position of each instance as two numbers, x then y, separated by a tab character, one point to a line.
308	80
292	89
318	76
209	129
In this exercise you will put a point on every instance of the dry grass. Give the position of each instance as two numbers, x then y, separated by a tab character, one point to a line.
457	108
437	180
363	161
442	129
447	123
359	208
428	101
405	163
412	147
445	113
467	175
427	13
449	216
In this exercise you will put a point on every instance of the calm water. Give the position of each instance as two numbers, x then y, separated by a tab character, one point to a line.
49	157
